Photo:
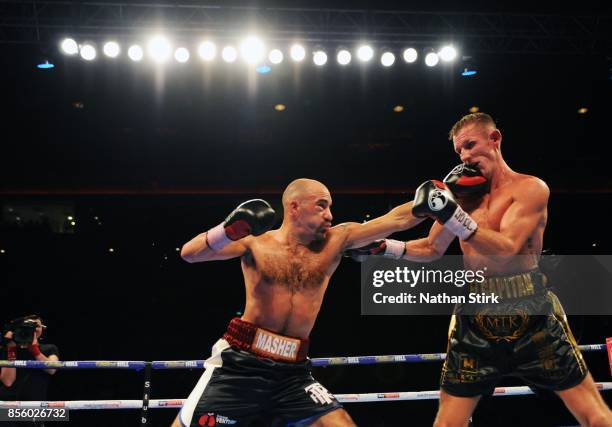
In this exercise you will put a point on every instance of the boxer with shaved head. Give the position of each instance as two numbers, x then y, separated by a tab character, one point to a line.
259	371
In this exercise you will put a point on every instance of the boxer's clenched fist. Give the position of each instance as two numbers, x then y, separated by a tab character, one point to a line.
251	217
466	181
433	199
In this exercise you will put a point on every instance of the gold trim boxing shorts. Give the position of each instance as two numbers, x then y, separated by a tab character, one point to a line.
508	339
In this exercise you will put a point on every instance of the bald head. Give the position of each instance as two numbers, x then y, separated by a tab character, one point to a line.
307	209
300	189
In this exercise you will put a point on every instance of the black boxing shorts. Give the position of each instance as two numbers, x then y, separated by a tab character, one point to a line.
484	346
256	377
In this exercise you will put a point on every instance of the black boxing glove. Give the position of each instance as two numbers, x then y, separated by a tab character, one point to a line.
251	217
466	181
433	199
387	248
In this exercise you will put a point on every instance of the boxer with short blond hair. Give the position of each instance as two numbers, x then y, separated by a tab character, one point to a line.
499	216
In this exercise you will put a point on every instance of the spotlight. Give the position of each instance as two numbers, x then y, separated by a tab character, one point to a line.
474	109
583	110
431	59
159	49
365	53
447	53
207	50
387	59
398	108
319	57
410	55
280	107
343	57
229	54
88	52
111	49
70	47
252	50
181	54
135	53
297	52
275	56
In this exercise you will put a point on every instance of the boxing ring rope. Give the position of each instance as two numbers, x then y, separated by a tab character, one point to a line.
147	403
195	364
343	398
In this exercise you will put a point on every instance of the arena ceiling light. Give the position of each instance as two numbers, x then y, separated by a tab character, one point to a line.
69	46
469	71
111	49
229	54
88	52
275	56
297	52
387	59
319	57
181	55
252	50
410	55
159	48
207	50
432	59
365	53
447	53
343	57
45	65
135	53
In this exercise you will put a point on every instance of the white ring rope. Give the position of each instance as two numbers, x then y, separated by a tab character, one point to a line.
343	398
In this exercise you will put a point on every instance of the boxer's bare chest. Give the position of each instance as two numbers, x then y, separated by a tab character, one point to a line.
296	268
490	210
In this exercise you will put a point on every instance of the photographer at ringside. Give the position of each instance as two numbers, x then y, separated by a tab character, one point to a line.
22	338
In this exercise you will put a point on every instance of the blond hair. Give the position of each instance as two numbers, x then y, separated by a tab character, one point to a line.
479	118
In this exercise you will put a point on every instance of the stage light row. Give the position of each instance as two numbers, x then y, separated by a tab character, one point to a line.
252	50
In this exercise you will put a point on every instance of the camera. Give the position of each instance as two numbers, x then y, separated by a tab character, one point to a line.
23	331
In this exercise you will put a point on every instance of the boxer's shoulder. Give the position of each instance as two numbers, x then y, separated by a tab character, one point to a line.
267	239
529	185
530	179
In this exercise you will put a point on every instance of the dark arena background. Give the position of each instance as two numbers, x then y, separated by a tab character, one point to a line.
108	166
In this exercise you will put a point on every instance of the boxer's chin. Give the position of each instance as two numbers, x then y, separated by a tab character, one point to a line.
320	234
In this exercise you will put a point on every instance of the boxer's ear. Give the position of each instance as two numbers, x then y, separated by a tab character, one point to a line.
293	206
495	137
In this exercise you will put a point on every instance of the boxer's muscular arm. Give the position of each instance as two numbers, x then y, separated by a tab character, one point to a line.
232	237
398	219
524	215
431	247
197	250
